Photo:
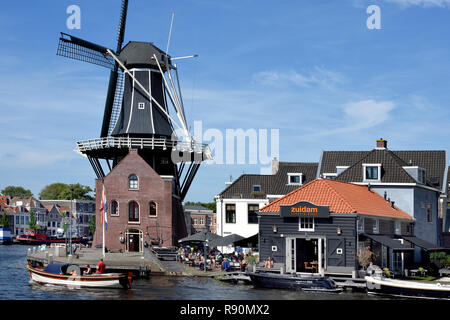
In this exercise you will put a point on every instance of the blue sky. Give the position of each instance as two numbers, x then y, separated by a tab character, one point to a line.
311	69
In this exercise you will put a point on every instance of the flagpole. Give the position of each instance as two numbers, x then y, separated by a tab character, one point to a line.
103	213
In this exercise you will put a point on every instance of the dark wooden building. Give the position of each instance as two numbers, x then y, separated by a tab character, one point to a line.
322	226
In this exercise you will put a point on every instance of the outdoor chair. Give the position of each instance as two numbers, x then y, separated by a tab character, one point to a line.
308	267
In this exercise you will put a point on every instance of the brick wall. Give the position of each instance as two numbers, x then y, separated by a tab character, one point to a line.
151	187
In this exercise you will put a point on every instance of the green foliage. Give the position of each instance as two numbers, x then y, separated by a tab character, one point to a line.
207	205
61	191
4	221
443	258
16	191
92	224
64	225
32	223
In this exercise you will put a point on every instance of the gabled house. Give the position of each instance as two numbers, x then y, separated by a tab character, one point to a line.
237	205
22	207
415	181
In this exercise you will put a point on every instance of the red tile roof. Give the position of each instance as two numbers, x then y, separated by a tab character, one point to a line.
341	197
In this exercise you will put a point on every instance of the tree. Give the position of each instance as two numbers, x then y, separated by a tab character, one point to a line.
92	224
4	221
32	223
16	191
365	256
61	191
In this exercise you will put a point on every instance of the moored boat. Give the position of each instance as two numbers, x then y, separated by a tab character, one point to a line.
5	236
59	274
407	288
38	238
294	282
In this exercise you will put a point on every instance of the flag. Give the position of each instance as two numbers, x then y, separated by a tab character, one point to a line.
104	209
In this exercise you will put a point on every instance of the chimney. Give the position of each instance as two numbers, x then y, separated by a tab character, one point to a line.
381	144
227	183
275	165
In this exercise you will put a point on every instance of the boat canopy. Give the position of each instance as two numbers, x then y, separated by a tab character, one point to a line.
58	268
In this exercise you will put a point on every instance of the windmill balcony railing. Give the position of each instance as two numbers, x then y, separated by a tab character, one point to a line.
142	143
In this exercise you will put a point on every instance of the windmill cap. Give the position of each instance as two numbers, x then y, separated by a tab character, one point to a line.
140	54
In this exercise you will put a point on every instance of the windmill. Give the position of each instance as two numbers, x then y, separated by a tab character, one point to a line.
143	83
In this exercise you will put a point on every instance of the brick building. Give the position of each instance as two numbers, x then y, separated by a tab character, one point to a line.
199	219
141	208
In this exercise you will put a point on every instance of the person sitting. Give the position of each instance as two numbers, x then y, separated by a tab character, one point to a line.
268	263
74	273
101	266
225	265
87	271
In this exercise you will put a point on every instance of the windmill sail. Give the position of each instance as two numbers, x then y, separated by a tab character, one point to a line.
82	50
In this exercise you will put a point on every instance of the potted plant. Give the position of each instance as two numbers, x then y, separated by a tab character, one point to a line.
364	258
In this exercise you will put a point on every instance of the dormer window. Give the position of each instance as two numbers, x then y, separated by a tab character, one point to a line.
331	176
295	179
256	188
372	172
422	176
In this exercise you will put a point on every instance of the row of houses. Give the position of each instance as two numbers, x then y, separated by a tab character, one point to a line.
393	202
48	214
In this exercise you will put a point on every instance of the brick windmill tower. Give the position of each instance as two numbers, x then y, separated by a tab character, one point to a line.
149	158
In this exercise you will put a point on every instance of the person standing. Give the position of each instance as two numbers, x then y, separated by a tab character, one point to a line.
101	266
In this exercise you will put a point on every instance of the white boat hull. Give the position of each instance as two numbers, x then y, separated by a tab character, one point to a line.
405	288
106	280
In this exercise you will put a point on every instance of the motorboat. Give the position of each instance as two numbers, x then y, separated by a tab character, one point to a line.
294	282
437	289
70	275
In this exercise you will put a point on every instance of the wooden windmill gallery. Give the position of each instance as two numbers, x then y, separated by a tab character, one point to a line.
149	159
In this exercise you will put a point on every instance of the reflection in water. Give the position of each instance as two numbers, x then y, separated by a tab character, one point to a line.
16	284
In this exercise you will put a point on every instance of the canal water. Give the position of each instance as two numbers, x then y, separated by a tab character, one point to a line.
15	284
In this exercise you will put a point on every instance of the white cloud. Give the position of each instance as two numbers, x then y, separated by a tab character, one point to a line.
359	116
317	77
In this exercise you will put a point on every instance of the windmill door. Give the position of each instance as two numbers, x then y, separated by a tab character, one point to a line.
335	252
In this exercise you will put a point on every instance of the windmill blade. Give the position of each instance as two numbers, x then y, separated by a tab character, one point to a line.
122	23
82	50
115	88
117	104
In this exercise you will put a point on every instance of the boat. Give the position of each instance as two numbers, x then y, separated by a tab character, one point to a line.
59	274
38	237
407	288
294	282
5	236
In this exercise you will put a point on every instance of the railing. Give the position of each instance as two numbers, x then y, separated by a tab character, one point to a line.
142	143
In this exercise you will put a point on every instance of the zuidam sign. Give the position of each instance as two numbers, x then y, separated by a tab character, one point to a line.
305	209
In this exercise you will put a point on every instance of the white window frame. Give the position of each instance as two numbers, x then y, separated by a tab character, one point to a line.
295	183
325	175
361	224
420	172
141	105
365	165
256	185
305	229
376	227
398	227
